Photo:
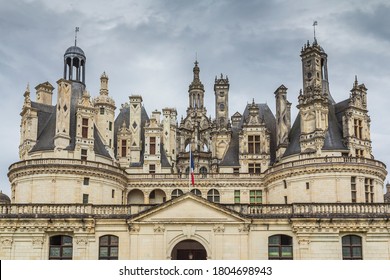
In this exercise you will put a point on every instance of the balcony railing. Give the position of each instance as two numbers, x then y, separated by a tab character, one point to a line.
297	210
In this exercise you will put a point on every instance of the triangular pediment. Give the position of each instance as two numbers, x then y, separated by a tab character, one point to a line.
189	208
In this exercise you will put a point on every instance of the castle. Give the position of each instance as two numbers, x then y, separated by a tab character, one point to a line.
93	185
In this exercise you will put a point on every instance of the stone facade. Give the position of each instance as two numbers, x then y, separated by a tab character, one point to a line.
92	185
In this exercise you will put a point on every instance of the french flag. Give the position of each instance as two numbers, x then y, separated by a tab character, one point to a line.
192	167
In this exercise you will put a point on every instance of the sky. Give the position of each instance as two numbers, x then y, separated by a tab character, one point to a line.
149	48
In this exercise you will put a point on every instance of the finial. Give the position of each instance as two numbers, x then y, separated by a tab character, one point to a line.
315	23
356	81
28	87
77	29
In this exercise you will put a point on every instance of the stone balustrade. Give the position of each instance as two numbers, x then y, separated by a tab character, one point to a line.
296	210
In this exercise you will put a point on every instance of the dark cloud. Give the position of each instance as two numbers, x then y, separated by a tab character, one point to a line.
148	48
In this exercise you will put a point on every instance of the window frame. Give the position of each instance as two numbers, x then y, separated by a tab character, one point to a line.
109	246
282	238
253	144
213	196
61	247
176	193
351	246
255	196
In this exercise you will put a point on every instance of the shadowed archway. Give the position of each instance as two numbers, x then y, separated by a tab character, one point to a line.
189	250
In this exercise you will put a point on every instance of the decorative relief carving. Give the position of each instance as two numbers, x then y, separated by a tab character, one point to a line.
134	228
159	228
6	242
82	241
219	228
38	242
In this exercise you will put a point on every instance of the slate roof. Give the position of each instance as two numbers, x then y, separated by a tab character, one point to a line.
124	115
231	157
47	125
333	137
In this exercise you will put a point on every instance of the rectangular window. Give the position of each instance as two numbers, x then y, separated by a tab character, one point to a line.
84	154
152	145
285	199
254	144
85	198
358	128
237	196
84	128
353	189
369	190
359	152
255	196
152	168
285	184
113	193
124	148
86	181
101	111
236	171
110	126
307	185
254	168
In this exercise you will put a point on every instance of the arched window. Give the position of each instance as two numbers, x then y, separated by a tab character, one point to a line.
280	247
108	247
61	247
213	195
176	193
196	192
352	247
203	171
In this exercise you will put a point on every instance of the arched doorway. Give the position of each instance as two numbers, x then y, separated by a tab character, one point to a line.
189	250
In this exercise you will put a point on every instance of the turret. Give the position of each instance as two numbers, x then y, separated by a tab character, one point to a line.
221	91
283	120
135	128
28	127
196	92
44	94
105	113
314	100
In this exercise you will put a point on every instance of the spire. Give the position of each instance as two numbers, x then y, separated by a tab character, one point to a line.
77	29
315	23
27	99
196	83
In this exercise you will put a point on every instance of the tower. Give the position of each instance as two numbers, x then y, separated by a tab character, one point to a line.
196	92
315	99
105	113
221	91
356	122
28	127
283	120
135	128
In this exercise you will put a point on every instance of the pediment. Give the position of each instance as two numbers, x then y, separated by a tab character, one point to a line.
189	208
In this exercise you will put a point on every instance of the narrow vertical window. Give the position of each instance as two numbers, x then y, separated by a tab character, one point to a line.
237	196
152	145
85	198
353	189
110	126
84	154
112	193
369	190
101	111
124	148
84	128
152	168
86	181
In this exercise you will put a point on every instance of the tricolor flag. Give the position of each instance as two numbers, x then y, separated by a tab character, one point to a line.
192	167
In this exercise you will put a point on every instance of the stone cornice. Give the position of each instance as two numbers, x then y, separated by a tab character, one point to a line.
325	165
66	166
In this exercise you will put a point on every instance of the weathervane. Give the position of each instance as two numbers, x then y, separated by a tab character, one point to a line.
314	26
75	35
